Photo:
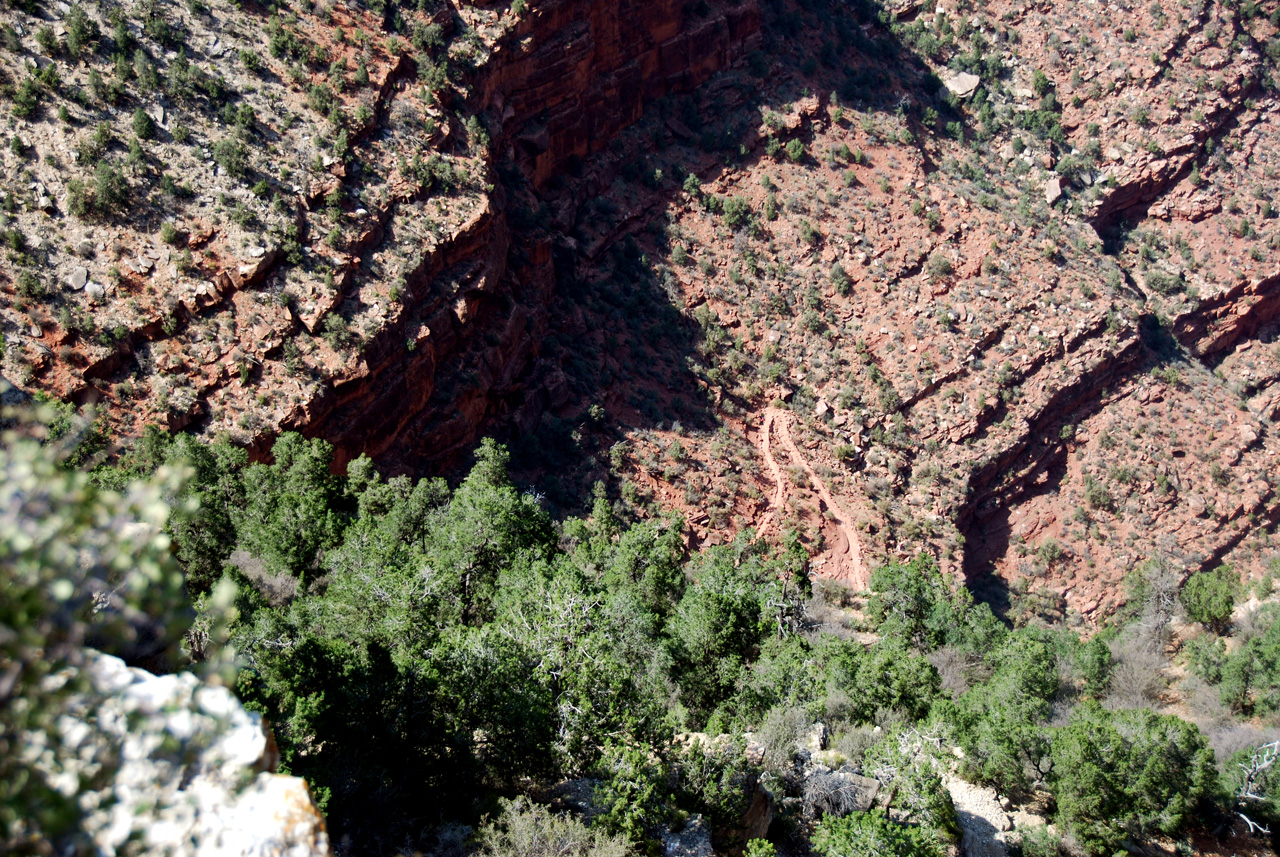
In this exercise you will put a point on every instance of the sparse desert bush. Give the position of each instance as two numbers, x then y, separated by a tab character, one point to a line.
938	266
527	829
232	156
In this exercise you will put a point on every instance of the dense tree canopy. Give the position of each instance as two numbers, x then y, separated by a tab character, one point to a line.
439	646
1128	773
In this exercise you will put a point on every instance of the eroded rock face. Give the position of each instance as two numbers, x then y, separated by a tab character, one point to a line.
559	86
191	772
575	73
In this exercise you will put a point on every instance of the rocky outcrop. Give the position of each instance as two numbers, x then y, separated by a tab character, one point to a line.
1023	323
190	772
384	262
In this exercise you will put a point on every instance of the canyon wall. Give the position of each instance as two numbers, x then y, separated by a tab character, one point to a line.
559	87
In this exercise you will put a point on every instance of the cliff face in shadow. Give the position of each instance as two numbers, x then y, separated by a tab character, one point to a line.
558	87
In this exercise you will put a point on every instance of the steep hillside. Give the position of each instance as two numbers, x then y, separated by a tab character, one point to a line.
244	220
1024	317
992	280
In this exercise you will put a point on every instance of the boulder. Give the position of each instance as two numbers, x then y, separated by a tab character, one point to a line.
815	740
192	771
759	814
962	84
1053	190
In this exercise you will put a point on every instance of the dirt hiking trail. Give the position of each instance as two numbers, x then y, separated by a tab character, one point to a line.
843	558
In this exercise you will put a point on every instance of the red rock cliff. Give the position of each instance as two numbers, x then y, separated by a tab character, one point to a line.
567	79
576	72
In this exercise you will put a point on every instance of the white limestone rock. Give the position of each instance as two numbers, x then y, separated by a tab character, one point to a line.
192	771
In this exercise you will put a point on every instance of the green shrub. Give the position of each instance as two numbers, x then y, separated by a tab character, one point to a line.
1040	83
839	279
736	211
632	794
47	41
938	266
79	199
232	156
321	99
26	98
110	189
1209	597
1094	661
334	330
795	151
143	125
1097	495
1119	774
30	286
82	31
864	834
1164	283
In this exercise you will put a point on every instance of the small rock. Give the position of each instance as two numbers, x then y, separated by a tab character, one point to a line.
78	278
692	841
816	739
45	204
94	291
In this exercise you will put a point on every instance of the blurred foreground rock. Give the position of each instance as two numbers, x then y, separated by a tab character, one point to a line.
188	771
